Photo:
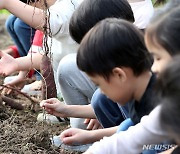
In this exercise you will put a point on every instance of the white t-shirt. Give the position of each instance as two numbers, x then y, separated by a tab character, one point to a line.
143	11
61	43
132	141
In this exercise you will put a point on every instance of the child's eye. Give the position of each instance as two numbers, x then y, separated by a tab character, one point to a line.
158	58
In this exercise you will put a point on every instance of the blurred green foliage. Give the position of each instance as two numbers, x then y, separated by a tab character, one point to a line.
159	2
4	11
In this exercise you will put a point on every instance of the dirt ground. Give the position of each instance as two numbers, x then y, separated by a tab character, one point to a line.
20	133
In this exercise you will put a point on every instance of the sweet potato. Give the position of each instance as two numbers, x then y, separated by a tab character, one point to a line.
49	86
13	104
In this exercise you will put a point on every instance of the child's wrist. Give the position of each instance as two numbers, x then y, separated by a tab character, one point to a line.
66	111
18	65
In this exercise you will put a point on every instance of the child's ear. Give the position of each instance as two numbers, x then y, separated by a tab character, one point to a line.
120	73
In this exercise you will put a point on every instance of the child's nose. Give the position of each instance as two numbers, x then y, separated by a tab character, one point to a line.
154	68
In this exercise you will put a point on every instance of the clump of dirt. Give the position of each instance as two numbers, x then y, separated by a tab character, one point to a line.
21	133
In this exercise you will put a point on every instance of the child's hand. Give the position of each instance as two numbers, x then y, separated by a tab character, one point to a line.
55	107
75	136
17	82
8	64
92	124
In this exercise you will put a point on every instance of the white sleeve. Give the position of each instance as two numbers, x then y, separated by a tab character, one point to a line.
60	14
132	141
143	11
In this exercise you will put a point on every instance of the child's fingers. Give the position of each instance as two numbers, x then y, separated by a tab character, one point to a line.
42	103
66	133
90	126
9	91
86	121
6	91
69	140
95	127
50	111
45	102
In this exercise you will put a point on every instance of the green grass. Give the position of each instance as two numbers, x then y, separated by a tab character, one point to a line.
4	11
163	2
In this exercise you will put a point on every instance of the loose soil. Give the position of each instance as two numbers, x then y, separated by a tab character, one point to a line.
20	133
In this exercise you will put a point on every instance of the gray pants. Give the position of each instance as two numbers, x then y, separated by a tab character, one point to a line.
76	87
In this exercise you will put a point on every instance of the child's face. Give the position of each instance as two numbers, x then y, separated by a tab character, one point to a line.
160	55
114	88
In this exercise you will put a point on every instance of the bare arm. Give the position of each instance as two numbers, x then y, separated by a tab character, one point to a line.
30	61
98	134
9	65
80	111
30	15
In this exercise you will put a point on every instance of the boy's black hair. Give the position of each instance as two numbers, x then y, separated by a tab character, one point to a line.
169	87
164	29
113	43
91	11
